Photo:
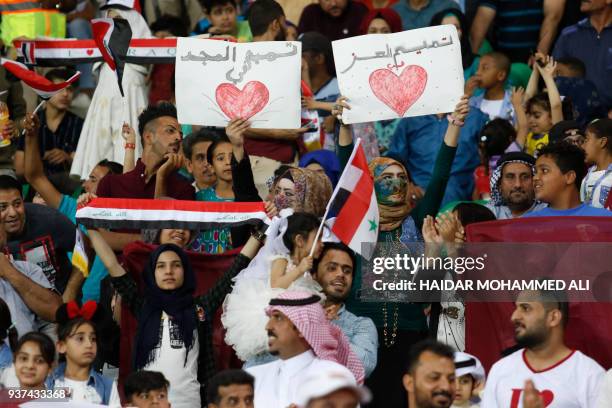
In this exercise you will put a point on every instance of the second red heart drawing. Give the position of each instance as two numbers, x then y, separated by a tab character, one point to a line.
245	103
399	92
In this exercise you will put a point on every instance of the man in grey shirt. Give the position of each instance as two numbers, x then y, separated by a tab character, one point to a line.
512	191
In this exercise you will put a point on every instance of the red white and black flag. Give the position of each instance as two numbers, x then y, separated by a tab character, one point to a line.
41	85
113	36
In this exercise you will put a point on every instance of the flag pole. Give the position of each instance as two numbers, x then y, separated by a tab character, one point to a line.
34	113
357	143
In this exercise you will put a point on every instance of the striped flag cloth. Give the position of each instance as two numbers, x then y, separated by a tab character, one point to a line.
41	85
353	209
121	213
80	260
113	36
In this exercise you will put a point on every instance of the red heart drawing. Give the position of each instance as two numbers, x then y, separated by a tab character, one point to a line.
399	92
242	104
89	52
547	396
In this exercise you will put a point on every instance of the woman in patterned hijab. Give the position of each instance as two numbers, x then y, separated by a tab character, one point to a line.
301	189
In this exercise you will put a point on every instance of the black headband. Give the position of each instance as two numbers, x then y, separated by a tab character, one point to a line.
467	363
295	302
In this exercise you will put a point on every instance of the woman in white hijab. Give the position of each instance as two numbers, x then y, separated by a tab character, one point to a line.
101	137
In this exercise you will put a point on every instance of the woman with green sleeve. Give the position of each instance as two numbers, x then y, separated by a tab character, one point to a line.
400	323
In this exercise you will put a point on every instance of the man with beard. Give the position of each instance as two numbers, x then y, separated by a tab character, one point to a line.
430	375
334	272
269	148
306	343
563	377
512	193
161	138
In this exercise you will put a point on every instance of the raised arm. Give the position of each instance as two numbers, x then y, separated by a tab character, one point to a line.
482	21
129	159
42	301
553	12
522	127
554	97
33	164
534	80
174	161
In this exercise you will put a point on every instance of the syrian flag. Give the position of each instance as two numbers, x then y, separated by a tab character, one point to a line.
121	213
41	85
112	36
354	207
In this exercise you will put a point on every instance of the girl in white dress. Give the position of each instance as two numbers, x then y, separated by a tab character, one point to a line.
283	263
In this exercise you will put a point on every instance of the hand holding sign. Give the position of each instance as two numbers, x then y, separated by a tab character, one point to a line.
386	76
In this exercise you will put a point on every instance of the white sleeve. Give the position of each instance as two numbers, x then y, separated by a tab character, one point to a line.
605	392
114	401
489	399
593	384
33	272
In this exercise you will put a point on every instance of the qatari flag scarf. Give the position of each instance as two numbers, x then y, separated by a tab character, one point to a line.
113	36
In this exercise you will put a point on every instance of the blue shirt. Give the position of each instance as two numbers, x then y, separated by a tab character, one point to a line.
507	110
417	141
97	272
6	357
583	42
583	210
412	18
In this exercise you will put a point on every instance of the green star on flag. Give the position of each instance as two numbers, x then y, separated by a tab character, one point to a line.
373	225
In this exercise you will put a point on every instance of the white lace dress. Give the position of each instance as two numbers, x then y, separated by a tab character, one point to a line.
244	316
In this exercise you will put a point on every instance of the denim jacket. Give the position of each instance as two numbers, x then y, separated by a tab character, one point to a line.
103	385
507	111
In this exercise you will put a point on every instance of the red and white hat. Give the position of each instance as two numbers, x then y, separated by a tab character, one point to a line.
327	341
122	4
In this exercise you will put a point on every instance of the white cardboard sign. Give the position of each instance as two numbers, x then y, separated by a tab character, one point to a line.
217	81
412	73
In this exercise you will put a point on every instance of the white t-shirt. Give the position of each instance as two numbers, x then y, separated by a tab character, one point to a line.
598	196
184	389
572	383
605	393
492	107
80	391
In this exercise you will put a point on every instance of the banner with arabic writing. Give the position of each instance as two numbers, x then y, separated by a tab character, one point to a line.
219	81
412	73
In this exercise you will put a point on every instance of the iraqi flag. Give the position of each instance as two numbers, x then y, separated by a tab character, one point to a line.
354	207
41	85
121	213
113	36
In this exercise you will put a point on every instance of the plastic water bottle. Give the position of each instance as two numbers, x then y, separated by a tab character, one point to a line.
4	117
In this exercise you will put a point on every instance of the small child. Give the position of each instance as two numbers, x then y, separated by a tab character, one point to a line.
493	71
284	263
495	137
78	345
596	185
144	389
34	355
469	380
544	109
222	20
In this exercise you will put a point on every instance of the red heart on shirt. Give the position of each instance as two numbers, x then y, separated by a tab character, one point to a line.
547	396
89	52
245	103
399	92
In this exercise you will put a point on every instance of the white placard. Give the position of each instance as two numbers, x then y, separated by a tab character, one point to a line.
218	80
412	73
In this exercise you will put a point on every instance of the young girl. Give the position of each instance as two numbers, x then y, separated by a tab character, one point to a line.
174	328
7	330
283	263
544	109
598	149
78	346
34	355
217	240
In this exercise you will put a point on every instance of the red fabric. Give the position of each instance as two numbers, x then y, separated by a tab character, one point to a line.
161	81
481	179
369	5
279	150
208	268
390	16
609	202
488	327
87	311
